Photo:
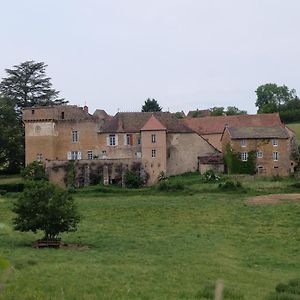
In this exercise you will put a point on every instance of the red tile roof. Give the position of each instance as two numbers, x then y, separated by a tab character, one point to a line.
216	124
153	124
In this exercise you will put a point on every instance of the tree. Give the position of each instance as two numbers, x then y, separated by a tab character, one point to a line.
44	206
27	85
272	98
217	111
11	138
151	105
232	110
179	115
34	171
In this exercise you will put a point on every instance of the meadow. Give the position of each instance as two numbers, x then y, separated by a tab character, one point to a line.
150	244
296	128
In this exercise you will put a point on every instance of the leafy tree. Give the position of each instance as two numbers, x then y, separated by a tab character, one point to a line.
232	110
272	98
34	171
132	180
27	85
11	138
179	115
44	206
217	111
151	105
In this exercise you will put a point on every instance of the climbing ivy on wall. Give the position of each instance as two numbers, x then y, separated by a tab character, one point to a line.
236	166
70	174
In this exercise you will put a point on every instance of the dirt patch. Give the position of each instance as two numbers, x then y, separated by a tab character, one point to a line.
273	199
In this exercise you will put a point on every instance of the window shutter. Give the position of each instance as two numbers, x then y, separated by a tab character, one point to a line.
79	155
125	139
107	140
69	155
116	140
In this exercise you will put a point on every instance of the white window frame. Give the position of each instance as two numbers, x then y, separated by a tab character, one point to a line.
90	155
275	155
128	138
112	140
244	156
39	157
153	153
259	154
74	155
153	138
275	142
243	143
75	136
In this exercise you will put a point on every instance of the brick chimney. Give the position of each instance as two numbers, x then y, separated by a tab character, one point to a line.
86	109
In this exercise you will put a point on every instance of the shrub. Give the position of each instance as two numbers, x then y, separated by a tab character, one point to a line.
44	206
34	171
290	291
230	186
170	186
211	176
132	180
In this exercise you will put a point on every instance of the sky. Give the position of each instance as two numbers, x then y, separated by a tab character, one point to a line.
187	54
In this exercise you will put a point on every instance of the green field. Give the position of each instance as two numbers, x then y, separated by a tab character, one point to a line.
146	244
296	128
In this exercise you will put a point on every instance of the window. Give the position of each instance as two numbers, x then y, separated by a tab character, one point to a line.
103	152
112	139
39	157
90	154
243	143
128	139
275	142
244	156
32	111
74	136
259	154
62	115
275	155
153	138
153	153
139	141
74	155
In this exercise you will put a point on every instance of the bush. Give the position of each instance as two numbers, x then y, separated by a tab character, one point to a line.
290	291
44	206
211	176
34	171
170	187
230	186
132	180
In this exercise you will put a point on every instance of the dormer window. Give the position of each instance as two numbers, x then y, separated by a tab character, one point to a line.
243	143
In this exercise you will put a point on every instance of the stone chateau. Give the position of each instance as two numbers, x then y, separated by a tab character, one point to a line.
153	144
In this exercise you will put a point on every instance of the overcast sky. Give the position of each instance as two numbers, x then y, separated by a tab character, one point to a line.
187	54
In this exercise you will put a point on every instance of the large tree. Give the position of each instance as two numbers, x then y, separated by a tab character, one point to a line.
151	105
27	85
11	138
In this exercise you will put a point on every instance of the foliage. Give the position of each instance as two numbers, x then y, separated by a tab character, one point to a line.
217	111
132	180
70	177
289	291
34	171
230	185
27	85
162	176
151	105
11	138
12	187
232	110
235	165
179	114
168	186
44	206
211	176
273	98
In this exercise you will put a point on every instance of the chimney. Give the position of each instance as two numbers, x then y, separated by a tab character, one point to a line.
86	109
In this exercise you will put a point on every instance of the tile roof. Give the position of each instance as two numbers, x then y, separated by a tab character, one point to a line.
199	113
135	121
216	124
153	124
258	132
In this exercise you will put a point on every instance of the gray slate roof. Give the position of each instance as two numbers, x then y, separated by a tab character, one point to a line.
134	121
258	132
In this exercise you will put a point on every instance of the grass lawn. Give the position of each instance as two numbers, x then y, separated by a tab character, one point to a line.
296	128
145	244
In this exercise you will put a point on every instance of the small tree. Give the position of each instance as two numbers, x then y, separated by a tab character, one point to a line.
44	206
34	171
132	180
151	105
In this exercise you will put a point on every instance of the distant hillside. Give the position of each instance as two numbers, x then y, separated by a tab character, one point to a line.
296	128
